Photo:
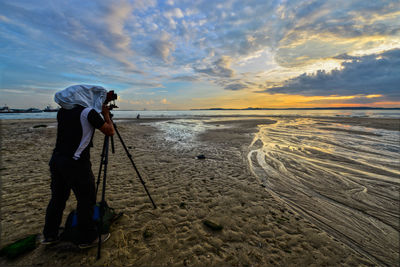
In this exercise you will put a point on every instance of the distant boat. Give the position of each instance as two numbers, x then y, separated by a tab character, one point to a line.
6	109
32	110
50	109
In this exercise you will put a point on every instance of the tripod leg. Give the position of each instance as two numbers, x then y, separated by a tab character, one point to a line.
103	193
133	164
112	145
100	168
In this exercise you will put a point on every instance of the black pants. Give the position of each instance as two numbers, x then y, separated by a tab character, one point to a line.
67	174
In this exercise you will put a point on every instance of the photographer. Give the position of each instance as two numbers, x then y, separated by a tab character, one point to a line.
70	165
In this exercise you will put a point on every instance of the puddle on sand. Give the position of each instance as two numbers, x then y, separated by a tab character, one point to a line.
181	133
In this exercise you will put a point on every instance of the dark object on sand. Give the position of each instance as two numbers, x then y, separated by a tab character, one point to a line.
147	234
40	126
201	157
212	225
138	116
20	247
71	233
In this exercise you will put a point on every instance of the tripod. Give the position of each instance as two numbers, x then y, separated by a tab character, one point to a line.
103	166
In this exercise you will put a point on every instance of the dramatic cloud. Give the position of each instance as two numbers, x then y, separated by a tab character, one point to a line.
162	48
220	68
370	99
184	78
236	86
320	29
68	30
230	46
373	74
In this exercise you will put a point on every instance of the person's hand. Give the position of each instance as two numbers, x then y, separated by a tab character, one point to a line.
104	110
108	126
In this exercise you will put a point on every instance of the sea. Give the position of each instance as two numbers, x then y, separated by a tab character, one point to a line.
372	113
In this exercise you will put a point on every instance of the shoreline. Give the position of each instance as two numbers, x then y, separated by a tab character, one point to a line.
392	124
258	229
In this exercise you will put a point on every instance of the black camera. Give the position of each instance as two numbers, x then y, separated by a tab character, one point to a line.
111	97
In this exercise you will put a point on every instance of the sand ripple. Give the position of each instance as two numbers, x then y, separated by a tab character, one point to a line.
344	178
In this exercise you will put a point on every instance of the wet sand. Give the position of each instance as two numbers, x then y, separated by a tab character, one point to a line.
342	176
258	228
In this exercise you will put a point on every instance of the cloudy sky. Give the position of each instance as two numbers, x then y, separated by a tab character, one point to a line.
186	54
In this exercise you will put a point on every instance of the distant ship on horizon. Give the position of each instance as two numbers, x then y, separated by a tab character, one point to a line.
6	109
50	109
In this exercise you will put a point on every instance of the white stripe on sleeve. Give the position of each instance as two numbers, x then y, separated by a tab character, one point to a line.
87	132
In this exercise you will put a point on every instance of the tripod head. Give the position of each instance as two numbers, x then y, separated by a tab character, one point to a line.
112	106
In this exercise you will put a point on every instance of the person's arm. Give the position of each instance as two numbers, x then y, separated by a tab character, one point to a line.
108	127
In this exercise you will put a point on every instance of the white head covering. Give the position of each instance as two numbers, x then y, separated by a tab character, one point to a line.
89	96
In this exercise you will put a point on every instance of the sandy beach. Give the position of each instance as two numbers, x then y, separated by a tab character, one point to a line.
259	228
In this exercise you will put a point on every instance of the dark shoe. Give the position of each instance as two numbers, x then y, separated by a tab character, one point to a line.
50	240
95	242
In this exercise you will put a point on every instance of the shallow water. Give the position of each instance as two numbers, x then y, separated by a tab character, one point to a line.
182	133
343	178
371	113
